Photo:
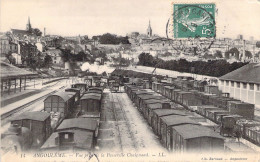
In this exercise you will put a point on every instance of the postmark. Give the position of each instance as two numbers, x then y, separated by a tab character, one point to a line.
194	20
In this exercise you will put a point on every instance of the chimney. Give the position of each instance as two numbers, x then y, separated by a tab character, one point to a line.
44	32
244	51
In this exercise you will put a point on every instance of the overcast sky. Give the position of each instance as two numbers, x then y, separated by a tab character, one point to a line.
92	17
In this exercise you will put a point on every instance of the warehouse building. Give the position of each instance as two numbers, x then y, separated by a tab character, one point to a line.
243	83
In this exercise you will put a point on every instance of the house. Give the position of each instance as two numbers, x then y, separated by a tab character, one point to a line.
55	55
243	83
27	50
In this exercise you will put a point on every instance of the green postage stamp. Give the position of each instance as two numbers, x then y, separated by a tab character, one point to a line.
194	20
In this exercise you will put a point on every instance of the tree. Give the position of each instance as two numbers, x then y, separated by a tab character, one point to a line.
258	44
218	54
248	54
233	51
37	32
47	61
11	58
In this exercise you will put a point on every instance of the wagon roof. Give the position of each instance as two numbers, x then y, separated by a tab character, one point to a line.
143	92
177	90
238	147
80	84
189	131
96	88
162	112
93	91
33	115
82	140
81	123
221	111
90	115
91	96
64	95
72	89
184	92
154	105
155	101
177	119
240	102
150	96
169	87
207	106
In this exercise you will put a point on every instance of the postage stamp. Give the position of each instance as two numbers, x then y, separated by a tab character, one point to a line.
194	20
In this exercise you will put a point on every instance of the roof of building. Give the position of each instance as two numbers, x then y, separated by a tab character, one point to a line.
11	71
80	123
177	120
249	73
163	112
33	115
19	31
197	131
82	140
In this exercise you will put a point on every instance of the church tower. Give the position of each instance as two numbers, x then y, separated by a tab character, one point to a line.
28	26
149	30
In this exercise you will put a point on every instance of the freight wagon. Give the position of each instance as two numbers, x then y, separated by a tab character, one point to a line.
158	113
195	138
59	102
172	120
228	124
39	123
77	134
241	108
165	104
77	95
82	86
90	102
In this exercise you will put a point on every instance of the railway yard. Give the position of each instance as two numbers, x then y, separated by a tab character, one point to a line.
138	115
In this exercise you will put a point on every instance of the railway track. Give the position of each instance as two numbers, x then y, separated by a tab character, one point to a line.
127	139
5	116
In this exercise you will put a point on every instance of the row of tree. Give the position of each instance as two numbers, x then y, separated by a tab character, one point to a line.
214	68
112	39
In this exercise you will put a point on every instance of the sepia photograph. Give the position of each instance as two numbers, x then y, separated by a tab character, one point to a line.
130	80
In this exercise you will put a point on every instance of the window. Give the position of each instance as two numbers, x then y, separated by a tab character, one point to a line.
244	85
227	83
66	136
251	85
55	58
258	87
232	84
238	85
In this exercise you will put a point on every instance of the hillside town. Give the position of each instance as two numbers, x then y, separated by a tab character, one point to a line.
36	50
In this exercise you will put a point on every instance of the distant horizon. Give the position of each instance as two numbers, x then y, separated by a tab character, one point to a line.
86	17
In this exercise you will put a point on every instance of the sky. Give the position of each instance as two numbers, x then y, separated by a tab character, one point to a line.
95	17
